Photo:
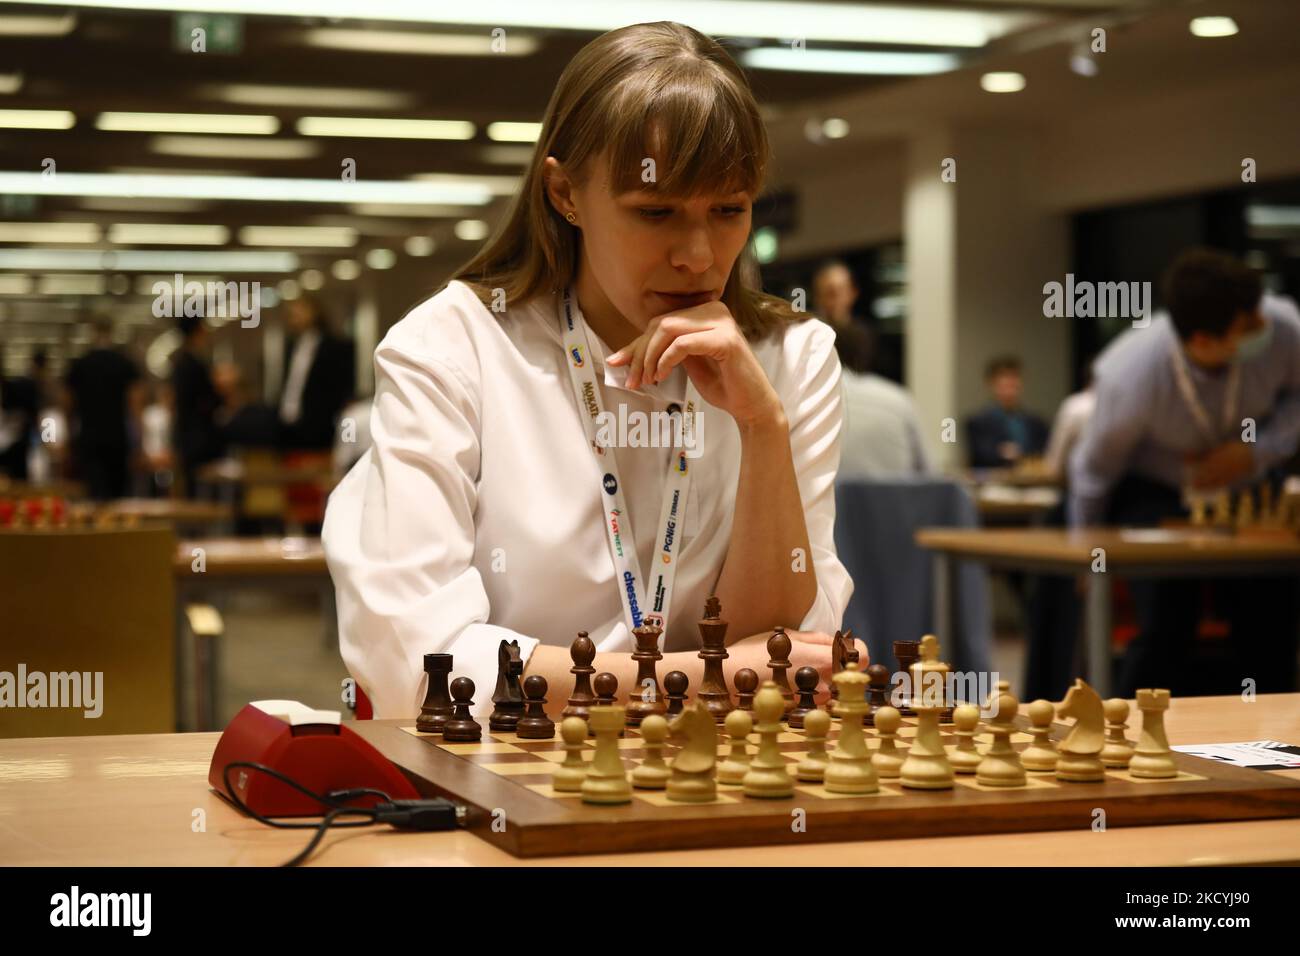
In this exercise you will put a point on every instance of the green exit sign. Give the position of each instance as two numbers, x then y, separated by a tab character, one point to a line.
219	33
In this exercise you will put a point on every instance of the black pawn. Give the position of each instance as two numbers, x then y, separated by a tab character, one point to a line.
461	727
606	686
534	724
437	700
877	691
746	682
675	684
806	679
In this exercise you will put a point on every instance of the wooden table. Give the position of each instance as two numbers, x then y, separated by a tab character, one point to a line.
207	569
1133	553
100	801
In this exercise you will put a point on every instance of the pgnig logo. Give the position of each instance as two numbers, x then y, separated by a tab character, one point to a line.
576	354
611	484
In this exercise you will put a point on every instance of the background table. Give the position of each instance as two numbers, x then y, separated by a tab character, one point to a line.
1135	553
76	801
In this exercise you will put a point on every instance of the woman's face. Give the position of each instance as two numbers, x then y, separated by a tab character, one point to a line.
641	249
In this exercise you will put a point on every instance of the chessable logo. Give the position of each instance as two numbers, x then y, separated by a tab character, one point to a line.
75	908
76	690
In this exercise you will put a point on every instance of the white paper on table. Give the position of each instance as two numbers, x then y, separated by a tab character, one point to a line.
1255	754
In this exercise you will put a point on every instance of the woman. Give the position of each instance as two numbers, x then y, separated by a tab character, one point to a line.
489	506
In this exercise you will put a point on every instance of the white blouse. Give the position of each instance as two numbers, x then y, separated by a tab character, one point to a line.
478	512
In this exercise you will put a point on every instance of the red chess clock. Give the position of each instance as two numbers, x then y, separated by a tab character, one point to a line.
6	512
309	746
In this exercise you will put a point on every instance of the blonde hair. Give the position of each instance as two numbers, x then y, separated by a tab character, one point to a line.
629	90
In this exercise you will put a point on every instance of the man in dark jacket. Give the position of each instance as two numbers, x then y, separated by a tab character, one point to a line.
1003	433
319	378
106	391
195	436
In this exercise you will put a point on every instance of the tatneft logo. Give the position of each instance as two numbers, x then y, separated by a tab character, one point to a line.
611	484
637	429
61	689
618	538
1099	300
222	300
103	909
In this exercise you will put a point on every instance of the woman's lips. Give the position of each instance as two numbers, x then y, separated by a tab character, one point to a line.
679	300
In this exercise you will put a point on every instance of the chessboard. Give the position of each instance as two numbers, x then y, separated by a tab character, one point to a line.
505	784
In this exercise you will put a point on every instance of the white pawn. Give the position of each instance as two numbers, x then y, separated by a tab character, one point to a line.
607	780
653	772
850	769
1001	765
888	760
1118	752
1040	756
767	775
568	776
964	757
812	768
738	726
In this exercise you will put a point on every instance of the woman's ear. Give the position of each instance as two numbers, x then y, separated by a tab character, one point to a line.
559	188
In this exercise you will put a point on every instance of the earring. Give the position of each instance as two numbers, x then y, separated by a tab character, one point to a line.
571	217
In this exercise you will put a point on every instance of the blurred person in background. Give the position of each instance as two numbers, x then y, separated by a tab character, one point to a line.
243	423
158	459
1067	429
106	394
19	406
1003	432
196	439
319	379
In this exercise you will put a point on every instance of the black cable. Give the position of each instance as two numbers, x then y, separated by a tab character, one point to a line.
431	814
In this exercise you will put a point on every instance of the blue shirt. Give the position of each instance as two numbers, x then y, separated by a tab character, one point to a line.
1142	424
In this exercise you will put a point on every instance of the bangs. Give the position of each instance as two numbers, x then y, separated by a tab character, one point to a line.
703	137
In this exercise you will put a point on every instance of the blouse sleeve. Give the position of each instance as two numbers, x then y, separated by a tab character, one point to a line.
399	538
816	413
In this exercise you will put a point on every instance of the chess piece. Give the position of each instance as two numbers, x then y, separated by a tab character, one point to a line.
437	698
652	773
964	757
1040	756
927	766
812	768
606	687
1223	508
779	646
1118	751
568	776
907	653
1245	508
850	769
806	679
888	760
733	769
582	652
534	724
841	645
645	698
1080	752
691	777
460	726
767	775
746	685
675	684
1001	765
606	780
713	692
508	698
1199	516
877	692
1153	758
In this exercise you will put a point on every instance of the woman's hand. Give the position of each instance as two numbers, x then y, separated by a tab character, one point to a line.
706	341
807	649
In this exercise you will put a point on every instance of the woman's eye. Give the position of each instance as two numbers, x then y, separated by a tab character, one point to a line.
655	213
733	210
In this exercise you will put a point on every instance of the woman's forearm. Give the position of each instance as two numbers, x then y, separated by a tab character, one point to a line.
768	579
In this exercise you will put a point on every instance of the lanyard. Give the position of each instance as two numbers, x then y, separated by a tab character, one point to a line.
1231	395
618	523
